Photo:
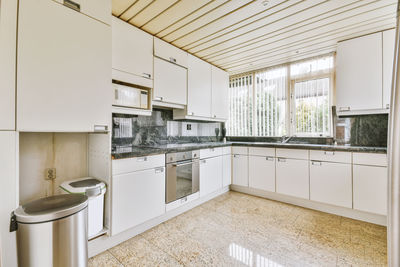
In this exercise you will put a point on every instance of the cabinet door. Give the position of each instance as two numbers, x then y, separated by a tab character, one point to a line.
199	87
64	76
170	82
388	56
8	46
170	53
226	170
136	198
331	183
210	175
292	177
132	53
262	173
220	87
370	189
359	73
240	170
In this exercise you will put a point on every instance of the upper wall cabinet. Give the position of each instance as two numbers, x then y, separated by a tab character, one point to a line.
170	75
8	45
63	73
359	74
132	54
220	92
388	57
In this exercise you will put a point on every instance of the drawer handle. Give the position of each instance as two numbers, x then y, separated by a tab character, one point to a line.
173	60
344	109
269	158
142	159
316	163
100	128
147	75
212	149
236	156
329	153
159	170
281	160
72	5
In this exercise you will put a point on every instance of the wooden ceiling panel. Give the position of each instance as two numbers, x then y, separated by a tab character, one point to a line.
244	35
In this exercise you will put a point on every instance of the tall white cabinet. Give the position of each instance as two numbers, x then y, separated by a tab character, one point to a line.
63	75
219	93
8	45
388	57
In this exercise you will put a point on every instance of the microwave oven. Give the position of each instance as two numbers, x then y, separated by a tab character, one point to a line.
130	97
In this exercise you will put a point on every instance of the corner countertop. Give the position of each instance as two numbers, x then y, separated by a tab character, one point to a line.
141	151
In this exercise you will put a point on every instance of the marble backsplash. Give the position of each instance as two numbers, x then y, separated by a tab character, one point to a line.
160	129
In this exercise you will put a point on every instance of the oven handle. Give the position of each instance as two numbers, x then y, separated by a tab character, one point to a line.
183	163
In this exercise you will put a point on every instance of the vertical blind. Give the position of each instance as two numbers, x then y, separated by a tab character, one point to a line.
241	106
270	102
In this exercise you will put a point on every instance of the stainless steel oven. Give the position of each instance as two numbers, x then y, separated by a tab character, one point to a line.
182	174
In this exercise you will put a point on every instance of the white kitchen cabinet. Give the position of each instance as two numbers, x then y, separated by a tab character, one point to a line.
292	177
331	183
64	75
137	197
132	54
359	74
226	170
8	45
240	170
199	88
388	57
262	173
370	186
210	175
220	92
170	82
170	53
98	9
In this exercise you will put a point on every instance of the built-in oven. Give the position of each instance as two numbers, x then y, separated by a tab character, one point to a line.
182	177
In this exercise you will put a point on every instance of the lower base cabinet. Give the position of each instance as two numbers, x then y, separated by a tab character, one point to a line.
292	177
210	175
331	183
370	185
137	197
262	173
240	170
226	170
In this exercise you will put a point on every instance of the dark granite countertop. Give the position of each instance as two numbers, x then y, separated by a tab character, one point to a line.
140	151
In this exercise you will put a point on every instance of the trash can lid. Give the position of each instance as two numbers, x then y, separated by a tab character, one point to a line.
50	208
87	185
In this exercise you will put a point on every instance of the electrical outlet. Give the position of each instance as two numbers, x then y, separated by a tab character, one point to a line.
50	174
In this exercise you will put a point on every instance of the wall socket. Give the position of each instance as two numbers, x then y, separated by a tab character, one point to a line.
50	174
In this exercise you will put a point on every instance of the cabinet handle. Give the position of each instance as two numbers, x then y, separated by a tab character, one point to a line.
387	106
203	161
269	158
281	160
159	170
147	75
100	128
235	156
173	60
215	116
158	98
344	109
72	5
212	149
142	159
329	153
116	94
316	163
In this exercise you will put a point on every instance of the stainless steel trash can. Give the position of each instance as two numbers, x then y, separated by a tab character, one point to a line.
52	232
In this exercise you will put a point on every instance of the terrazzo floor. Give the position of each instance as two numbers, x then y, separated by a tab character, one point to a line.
235	229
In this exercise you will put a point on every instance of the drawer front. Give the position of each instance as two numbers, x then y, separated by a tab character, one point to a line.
210	152
227	150
239	150
370	159
331	156
120	166
292	153
262	151
170	53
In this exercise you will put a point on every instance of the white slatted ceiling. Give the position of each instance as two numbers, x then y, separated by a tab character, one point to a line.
244	35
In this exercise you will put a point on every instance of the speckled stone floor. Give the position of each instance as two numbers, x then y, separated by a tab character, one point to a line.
241	230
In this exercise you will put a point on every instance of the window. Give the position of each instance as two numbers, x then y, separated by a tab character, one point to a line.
260	106
241	106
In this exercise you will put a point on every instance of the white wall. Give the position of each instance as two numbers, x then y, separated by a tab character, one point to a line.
67	152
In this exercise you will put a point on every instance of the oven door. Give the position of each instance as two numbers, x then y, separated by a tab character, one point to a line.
182	179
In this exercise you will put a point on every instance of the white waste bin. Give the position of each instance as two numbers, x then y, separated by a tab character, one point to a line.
94	189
